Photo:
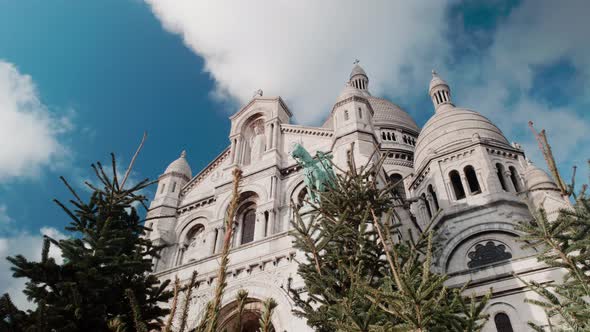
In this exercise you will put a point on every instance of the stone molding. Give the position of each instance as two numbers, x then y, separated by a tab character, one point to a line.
294	129
206	171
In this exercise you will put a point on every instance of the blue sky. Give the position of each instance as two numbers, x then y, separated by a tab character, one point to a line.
81	79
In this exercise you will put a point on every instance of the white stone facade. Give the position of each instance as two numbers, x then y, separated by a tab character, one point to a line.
459	162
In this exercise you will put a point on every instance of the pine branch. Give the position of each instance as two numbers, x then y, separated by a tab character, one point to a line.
168	326
268	308
187	301
212	314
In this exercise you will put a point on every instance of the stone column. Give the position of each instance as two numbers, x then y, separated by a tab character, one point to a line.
237	240
275	129
268	135
211	241
271	222
465	185
259	226
220	236
431	202
508	181
238	154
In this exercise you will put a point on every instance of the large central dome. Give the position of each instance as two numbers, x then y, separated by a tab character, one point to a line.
388	113
452	128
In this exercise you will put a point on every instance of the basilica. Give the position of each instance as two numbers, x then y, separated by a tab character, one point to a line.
465	173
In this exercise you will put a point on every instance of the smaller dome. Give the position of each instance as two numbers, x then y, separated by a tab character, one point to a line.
536	178
436	80
390	114
453	128
357	70
180	166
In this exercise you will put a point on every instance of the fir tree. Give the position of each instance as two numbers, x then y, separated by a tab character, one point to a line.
359	278
104	258
563	243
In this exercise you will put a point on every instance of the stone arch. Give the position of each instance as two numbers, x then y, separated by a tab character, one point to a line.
452	244
501	307
293	186
192	240
190	218
297	193
282	318
256	188
258	112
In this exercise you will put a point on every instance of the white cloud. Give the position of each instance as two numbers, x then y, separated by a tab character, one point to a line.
303	50
28	131
501	84
28	245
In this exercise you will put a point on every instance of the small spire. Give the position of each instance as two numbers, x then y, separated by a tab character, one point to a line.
183	154
434	73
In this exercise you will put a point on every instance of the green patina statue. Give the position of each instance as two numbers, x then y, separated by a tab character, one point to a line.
318	173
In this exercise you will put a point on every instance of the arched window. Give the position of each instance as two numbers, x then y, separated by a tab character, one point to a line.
472	179
514	178
383	135
398	188
428	210
195	235
457	185
502	322
434	198
500	173
248	224
393	136
345	115
389	136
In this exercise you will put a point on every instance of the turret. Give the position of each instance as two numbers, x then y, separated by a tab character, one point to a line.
439	92
352	115
358	78
161	217
177	174
542	192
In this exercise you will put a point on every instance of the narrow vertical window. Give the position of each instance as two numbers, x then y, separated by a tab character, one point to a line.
393	136
503	323
248	224
389	136
215	241
457	185
434	198
173	186
345	115
383	135
360	113
514	178
472	179
398	187
428	210
500	173
163	188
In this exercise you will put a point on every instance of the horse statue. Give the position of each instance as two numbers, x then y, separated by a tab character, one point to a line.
317	173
